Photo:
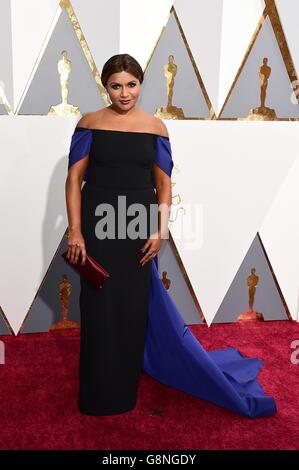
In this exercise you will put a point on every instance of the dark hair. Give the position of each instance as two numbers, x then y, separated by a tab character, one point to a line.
118	63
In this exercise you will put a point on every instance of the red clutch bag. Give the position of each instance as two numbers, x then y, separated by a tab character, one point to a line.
92	271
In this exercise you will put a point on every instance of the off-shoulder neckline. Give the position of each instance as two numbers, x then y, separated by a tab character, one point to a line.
124	132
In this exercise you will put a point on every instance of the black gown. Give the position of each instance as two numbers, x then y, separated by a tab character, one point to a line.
132	322
114	318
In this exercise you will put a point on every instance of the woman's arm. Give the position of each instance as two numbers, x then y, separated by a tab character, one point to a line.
164	199
73	185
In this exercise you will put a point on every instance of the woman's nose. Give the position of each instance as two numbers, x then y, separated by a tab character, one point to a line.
124	93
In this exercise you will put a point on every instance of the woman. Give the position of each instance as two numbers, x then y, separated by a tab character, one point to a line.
124	156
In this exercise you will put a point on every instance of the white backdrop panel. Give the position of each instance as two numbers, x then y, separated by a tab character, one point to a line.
280	235
231	171
32	207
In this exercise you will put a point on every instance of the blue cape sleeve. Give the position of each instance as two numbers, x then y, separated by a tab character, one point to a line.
80	146
163	156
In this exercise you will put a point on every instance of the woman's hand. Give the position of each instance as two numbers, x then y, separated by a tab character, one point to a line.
151	248
76	245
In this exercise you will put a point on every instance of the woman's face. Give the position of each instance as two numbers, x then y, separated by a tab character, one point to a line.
123	89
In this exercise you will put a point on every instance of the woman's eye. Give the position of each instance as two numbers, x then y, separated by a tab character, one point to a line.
117	86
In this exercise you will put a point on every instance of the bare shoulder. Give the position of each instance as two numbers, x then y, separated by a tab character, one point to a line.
85	120
153	123
94	119
160	127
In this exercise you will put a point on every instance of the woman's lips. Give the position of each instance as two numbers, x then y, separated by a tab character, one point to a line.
125	101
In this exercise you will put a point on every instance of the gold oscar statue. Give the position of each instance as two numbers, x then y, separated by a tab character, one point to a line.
170	111
251	315
64	69
263	113
65	289
165	280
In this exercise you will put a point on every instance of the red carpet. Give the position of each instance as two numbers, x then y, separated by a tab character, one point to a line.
38	392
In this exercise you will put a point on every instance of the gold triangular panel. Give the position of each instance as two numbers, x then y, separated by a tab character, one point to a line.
56	304
65	81
171	71
254	294
262	89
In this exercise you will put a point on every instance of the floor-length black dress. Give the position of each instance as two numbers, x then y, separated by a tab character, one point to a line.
132	322
114	318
